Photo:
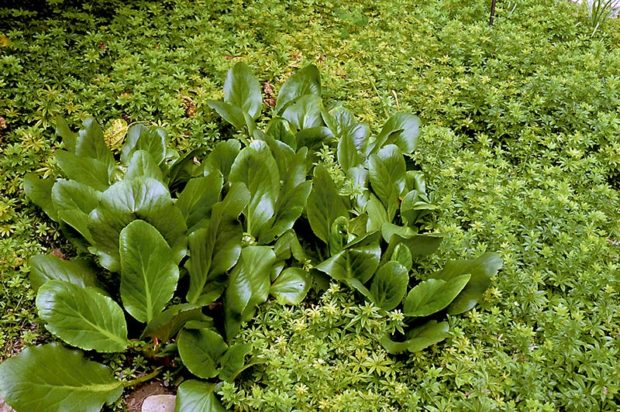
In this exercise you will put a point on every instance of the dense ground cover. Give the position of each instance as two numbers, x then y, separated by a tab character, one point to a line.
520	150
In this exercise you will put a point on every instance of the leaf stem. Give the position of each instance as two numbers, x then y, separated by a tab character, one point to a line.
142	379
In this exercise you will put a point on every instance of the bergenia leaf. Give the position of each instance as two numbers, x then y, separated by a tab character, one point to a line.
82	317
90	143
74	201
39	191
481	269
242	89
324	204
291	287
303	82
149	272
200	351
197	396
53	378
387	177
256	168
418	338
140	137
402	129
389	285
89	171
47	267
432	295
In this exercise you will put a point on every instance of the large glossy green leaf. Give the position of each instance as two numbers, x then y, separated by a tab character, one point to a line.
248	286
324	204
402	129
432	295
201	350
389	285
82	317
91	143
229	112
418	338
166	324
47	267
305	112
418	244
142	164
359	261
199	196
39	191
256	168
55	379
196	396
481	269
223	156
242	89
294	190
140	137
303	82
89	171
353	137
291	287
74	201
281	130
214	250
402	255
141	198
69	137
149	272
233	361
377	215
386	170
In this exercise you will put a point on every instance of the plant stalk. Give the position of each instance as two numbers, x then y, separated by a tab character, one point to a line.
492	16
142	379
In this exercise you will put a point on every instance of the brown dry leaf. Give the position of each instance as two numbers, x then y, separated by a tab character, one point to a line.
270	95
58	253
190	106
115	134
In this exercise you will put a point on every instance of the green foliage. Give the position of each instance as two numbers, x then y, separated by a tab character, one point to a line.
522	158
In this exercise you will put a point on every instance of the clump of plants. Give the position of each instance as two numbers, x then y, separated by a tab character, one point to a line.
186	247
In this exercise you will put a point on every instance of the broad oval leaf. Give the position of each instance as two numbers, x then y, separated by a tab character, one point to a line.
142	164
386	171
149	273
324	204
223	156
229	112
74	201
432	295
89	171
141	198
233	361
39	191
305	112
53	378
242	89
291	287
418	338
47	267
199	196
256	168
149	139
82	317
303	82
201	350
389	285
165	325
359	262
402	129
62	129
196	396
481	269
90	142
